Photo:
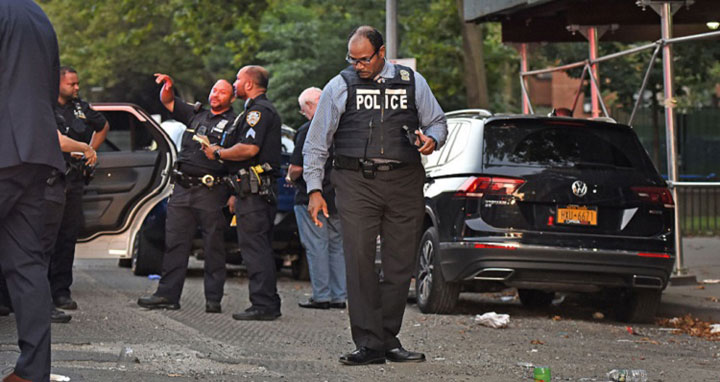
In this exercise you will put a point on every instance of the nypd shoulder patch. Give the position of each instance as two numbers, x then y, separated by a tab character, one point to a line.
253	117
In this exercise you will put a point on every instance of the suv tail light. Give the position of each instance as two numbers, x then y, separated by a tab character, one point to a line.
655	195
487	185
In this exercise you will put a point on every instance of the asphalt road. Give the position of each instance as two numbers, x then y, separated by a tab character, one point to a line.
304	345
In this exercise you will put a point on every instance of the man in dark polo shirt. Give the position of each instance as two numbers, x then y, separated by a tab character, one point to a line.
323	245
198	197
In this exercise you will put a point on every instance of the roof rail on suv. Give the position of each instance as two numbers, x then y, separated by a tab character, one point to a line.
472	113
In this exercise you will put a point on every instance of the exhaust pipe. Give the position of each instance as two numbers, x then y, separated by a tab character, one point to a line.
494	274
652	282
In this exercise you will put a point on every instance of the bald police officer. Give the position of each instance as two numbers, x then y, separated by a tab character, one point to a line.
258	135
198	198
372	112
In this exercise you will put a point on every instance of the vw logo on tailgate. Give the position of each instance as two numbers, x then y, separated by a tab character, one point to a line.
579	188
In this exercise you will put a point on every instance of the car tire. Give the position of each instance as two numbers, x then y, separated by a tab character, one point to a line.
299	267
433	293
638	305
146	257
532	298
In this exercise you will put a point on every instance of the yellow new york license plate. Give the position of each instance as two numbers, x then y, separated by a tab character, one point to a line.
577	215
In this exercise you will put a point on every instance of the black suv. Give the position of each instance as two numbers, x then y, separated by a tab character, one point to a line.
544	204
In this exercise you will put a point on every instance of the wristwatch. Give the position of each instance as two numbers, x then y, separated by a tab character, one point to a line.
216	154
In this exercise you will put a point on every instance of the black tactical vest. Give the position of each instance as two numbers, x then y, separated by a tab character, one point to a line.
192	155
377	115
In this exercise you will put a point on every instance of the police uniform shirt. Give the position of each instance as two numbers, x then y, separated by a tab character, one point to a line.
261	126
331	107
192	160
301	195
81	121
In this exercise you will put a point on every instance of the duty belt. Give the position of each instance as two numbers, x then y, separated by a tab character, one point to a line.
349	163
187	181
366	166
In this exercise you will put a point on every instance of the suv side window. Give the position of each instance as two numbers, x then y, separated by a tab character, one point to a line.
461	135
433	159
127	133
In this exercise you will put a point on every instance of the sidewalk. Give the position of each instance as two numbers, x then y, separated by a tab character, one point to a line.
702	259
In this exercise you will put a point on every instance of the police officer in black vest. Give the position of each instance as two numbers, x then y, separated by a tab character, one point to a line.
258	153
82	124
372	113
198	197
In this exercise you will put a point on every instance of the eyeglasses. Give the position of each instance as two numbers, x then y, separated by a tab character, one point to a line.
355	61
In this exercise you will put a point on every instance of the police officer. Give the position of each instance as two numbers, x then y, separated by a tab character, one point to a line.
198	197
82	124
30	153
372	112
258	134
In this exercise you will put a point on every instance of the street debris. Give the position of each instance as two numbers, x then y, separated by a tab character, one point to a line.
537	342
598	315
558	300
713	299
154	277
556	318
693	326
711	281
59	378
493	320
625	375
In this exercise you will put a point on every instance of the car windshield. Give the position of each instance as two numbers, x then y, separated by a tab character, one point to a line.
545	144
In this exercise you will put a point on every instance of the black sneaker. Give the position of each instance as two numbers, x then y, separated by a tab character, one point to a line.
157	302
255	314
65	302
312	304
338	305
59	317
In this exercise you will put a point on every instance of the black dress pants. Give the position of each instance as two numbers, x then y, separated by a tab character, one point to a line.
188	209
63	257
392	206
255	220
24	265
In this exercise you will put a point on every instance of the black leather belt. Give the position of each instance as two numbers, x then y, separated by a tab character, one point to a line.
355	164
187	181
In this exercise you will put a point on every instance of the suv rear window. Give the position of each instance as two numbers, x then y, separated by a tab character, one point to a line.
548	144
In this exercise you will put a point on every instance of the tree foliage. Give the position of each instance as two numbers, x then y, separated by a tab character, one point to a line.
116	45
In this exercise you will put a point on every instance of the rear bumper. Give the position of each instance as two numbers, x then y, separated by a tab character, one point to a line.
552	268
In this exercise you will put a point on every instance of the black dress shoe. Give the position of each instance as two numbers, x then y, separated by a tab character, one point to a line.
213	307
312	304
363	356
401	355
157	302
59	317
338	305
254	314
65	302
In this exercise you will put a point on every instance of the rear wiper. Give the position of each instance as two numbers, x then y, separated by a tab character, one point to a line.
593	165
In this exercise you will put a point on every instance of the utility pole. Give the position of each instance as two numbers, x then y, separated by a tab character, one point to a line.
391	38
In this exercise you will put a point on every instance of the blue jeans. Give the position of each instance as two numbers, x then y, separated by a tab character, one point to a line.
323	247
